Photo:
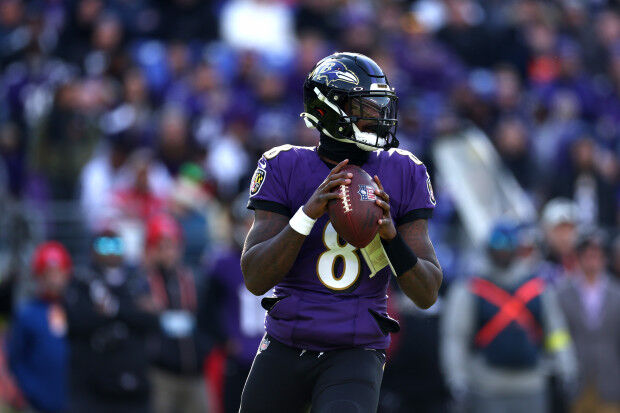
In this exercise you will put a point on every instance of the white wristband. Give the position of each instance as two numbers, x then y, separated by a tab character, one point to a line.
301	222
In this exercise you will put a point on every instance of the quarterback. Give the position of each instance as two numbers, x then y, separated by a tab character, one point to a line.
327	325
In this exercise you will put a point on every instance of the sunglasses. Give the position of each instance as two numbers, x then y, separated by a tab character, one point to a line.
108	246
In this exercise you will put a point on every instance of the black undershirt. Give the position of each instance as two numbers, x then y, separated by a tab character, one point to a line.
339	151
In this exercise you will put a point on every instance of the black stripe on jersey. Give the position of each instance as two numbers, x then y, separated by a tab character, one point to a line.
421	213
271	206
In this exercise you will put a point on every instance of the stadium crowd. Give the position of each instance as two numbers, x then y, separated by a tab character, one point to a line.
145	119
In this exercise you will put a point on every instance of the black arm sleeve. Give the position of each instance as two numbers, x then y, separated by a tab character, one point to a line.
270	206
421	213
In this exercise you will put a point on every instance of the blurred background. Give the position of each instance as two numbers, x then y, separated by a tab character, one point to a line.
129	130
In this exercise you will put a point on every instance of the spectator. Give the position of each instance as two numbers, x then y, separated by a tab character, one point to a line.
591	302
189	205
106	55
11	15
498	328
145	191
240	317
413	380
112	171
513	147
587	184
175	146
559	223
98	178
133	117
509	91
69	135
179	349
110	316
74	42
228	161
557	121
37	347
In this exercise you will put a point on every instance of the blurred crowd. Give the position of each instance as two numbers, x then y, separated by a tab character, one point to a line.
144	119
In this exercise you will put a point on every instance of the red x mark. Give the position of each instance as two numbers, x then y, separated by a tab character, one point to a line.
511	308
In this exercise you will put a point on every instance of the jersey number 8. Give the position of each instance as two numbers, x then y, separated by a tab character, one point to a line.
326	265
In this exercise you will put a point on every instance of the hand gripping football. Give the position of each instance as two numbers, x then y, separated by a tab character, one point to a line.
355	215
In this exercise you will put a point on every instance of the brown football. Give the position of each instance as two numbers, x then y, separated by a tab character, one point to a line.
355	216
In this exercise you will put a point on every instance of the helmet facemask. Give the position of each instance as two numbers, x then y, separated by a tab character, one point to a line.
372	118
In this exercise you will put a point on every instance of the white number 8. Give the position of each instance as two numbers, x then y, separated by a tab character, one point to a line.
327	261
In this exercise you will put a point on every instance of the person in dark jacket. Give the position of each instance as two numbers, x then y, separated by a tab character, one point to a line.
37	344
179	349
110	316
239	316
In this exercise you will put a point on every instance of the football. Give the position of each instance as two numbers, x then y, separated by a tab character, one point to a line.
355	216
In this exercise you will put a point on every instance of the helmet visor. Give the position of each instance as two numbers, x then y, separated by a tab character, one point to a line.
373	114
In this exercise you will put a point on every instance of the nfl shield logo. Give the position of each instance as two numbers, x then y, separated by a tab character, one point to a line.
367	193
263	345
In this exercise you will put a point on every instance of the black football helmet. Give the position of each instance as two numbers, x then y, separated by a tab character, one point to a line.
348	88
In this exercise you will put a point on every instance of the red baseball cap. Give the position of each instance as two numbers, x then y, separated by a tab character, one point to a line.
51	254
162	227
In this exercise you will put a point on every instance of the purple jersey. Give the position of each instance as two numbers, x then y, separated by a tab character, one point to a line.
327	299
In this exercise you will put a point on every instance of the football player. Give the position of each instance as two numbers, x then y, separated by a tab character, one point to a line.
327	325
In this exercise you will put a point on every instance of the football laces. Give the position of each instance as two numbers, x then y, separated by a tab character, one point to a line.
346	199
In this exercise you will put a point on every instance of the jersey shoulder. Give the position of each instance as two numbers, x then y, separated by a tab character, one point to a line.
283	159
399	157
287	152
408	180
275	176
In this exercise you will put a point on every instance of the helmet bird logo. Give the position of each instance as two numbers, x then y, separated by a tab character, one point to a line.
332	71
